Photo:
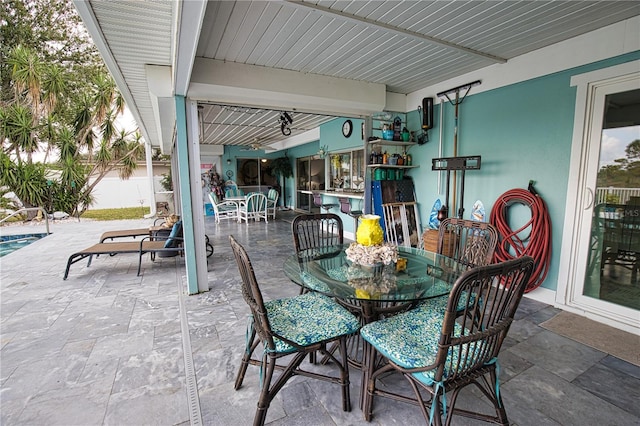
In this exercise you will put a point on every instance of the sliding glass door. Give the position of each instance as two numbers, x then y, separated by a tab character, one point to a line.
601	246
310	176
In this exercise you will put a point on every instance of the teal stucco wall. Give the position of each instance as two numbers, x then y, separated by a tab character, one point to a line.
522	131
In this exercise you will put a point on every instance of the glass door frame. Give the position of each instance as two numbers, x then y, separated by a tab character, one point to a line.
592	89
306	184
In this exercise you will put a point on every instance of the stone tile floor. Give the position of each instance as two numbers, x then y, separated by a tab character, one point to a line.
108	347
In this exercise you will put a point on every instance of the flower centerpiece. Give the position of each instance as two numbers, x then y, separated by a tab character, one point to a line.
368	272
359	254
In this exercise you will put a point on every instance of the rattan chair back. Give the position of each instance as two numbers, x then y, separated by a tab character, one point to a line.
252	294
313	231
467	348
469	242
303	325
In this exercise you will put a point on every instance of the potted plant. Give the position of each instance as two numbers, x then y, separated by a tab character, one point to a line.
281	167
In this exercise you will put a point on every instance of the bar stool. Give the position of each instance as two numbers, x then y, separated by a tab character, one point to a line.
345	207
317	201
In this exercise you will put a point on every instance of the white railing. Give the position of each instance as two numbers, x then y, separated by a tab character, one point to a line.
30	209
616	195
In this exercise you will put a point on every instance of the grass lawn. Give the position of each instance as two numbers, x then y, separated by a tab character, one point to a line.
117	214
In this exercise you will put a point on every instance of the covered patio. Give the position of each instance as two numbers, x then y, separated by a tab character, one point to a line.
107	347
224	85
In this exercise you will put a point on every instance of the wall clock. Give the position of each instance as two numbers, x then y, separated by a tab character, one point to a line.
347	128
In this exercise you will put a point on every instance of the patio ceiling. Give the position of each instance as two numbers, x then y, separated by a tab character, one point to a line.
264	57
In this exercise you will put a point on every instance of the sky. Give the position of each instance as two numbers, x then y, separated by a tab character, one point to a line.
124	121
614	142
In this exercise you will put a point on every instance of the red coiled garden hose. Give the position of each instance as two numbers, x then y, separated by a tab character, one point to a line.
537	244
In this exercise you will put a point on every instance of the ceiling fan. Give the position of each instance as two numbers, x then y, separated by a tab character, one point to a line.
257	145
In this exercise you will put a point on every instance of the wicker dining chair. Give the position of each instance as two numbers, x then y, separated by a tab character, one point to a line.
443	354
293	328
313	233
469	242
317	231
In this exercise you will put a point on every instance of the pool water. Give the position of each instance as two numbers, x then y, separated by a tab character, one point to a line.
11	243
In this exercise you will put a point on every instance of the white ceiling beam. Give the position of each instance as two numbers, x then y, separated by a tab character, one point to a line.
162	103
189	16
301	139
391	29
250	85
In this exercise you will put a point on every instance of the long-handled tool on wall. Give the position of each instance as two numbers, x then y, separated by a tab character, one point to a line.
454	165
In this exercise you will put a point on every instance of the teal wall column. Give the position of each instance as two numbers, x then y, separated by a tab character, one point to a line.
182	151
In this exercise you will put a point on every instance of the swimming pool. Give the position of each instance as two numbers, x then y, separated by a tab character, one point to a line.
11	243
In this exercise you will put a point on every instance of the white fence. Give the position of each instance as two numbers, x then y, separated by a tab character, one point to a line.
111	192
616	195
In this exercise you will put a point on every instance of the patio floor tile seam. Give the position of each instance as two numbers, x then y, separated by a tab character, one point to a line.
193	398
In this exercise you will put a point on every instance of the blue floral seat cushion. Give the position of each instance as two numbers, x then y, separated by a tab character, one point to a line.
308	319
313	283
439	304
410	339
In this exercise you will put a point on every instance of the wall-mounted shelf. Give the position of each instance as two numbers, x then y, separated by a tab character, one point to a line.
391	142
389	166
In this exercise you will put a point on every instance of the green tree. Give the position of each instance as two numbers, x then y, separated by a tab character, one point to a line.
625	173
57	98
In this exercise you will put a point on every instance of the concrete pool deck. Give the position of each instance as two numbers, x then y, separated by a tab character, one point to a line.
107	347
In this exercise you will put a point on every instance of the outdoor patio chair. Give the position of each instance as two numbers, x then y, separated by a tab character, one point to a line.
317	232
272	202
620	237
223	209
254	207
129	233
168	244
289	329
443	354
468	242
233	192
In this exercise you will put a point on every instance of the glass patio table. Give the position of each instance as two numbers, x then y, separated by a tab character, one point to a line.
328	271
372	292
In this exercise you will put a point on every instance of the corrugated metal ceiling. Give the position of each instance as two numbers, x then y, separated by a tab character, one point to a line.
405	45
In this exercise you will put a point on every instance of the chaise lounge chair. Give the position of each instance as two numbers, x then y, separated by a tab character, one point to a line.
126	233
169	244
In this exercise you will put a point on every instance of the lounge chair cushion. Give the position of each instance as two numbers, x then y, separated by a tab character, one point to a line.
176	232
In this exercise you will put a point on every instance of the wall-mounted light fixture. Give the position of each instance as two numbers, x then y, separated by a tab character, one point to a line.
228	161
